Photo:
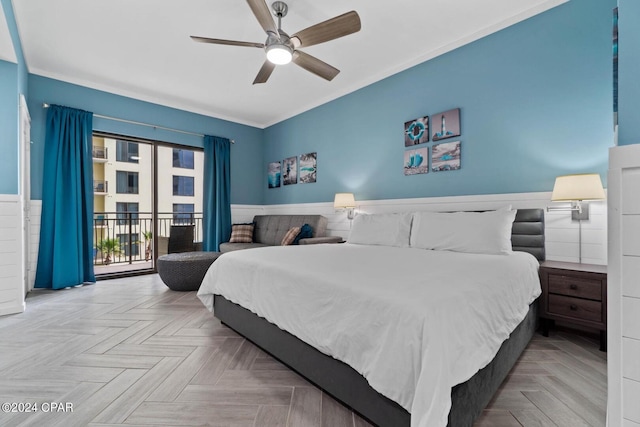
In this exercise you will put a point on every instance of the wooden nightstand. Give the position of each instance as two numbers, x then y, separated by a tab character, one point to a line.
574	293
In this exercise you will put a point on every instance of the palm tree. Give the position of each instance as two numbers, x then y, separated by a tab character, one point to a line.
148	235
107	247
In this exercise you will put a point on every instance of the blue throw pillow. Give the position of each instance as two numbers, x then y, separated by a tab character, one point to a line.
305	232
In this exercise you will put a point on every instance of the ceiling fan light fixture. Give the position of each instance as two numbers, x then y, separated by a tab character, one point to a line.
279	54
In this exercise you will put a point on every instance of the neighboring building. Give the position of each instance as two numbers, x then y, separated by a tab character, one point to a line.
123	193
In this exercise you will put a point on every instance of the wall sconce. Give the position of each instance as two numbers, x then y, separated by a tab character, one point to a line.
577	189
345	201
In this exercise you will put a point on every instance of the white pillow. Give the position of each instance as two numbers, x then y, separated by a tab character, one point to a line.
381	229
476	232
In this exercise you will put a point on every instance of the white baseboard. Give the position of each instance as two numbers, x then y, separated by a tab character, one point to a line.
12	308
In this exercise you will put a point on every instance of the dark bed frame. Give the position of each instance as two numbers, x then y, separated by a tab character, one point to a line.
347	385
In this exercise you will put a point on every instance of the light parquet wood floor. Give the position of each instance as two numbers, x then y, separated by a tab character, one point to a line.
131	352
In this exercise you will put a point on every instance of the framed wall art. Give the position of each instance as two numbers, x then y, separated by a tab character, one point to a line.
445	156
308	167
416	131
416	161
446	125
290	171
273	174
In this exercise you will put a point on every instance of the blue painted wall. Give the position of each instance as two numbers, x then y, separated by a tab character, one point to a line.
629	72
246	153
7	7
13	82
8	128
535	99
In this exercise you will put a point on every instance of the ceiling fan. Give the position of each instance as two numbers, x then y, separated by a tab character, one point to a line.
282	48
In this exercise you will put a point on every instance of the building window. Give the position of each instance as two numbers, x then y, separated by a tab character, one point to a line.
182	185
124	244
124	210
127	151
126	182
182	158
183	213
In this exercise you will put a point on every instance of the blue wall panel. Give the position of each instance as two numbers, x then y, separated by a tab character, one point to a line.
7	7
629	72
8	128
246	153
13	82
535	99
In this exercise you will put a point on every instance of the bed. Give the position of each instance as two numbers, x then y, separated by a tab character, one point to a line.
366	338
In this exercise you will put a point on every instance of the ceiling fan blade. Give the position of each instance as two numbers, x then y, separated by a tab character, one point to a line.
330	29
265	72
263	14
226	42
314	65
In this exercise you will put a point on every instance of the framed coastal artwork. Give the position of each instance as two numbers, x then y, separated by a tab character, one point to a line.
445	156
308	167
445	125
290	171
416	131
416	161
273	174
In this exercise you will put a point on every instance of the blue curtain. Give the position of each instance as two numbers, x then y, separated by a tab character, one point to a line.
65	257
217	190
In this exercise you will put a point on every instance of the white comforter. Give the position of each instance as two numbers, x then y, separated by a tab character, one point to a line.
413	322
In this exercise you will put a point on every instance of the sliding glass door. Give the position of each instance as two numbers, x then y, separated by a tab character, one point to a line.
179	193
141	189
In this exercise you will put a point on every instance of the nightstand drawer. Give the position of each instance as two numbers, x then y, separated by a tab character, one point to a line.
576	287
575	308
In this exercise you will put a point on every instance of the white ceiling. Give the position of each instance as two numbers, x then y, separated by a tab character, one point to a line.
6	46
142	48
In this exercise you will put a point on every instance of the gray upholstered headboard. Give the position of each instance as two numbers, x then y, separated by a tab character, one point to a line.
527	233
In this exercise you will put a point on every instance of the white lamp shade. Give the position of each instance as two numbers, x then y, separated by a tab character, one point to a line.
344	201
587	186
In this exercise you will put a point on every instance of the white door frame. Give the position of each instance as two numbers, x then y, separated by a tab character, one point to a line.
25	190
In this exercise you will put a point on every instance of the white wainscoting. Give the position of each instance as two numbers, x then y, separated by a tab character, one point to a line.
562	234
11	283
245	213
35	213
561	231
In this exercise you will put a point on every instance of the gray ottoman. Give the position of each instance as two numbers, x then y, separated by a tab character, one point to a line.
184	271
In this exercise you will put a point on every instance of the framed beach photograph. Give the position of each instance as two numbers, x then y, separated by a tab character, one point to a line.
416	161
308	166
445	156
416	131
290	171
273	174
446	125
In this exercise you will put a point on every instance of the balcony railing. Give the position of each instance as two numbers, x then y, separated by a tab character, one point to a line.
99	153
100	186
127	237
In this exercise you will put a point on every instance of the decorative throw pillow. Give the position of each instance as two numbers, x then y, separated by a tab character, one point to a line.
242	233
306	232
290	236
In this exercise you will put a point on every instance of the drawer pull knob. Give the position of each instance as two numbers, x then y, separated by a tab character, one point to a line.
573	286
573	307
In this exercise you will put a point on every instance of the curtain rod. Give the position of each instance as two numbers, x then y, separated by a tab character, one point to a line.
116	119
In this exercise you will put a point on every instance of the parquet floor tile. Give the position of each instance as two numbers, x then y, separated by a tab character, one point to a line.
130	352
